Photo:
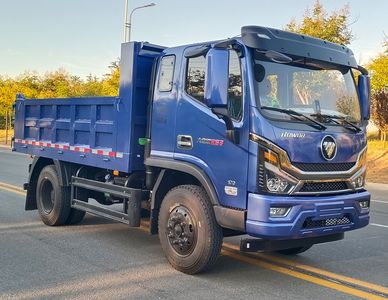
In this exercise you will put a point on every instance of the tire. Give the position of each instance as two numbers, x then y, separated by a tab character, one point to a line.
294	251
75	216
188	231
53	201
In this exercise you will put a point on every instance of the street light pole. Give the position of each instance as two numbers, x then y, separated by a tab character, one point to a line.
128	23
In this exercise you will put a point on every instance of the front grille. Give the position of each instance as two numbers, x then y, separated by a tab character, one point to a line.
324	167
331	186
309	223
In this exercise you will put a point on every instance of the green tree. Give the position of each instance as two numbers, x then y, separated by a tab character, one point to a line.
380	110
110	84
56	84
8	90
379	72
319	23
92	86
378	68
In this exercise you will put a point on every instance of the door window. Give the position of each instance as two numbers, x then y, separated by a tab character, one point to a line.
195	83
166	74
195	78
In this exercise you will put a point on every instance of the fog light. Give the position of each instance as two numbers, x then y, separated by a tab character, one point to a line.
364	204
279	211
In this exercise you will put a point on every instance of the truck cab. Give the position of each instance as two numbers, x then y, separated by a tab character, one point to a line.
262	135
276	122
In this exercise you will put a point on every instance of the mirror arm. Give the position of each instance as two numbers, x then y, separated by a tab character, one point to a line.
228	122
230	44
231	133
362	70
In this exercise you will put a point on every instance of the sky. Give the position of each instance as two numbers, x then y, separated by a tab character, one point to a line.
84	36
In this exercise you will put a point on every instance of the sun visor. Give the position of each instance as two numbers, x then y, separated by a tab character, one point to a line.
264	38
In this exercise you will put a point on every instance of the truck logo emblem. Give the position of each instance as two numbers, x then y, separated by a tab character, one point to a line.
297	135
328	147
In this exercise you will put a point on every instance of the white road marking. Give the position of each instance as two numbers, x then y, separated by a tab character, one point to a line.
379	225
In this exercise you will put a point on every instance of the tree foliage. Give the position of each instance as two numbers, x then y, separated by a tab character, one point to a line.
57	84
319	23
378	68
379	72
110	85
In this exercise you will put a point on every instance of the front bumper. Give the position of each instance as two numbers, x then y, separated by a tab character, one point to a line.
314	209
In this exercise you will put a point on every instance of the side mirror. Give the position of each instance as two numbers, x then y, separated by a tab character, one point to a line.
216	89
217	78
364	92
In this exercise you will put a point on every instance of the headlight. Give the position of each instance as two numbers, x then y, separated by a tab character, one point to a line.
358	181
273	179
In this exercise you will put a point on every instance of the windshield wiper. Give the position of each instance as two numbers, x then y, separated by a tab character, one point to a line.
298	116
334	119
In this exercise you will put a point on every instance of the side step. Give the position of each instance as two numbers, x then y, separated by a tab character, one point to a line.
100	211
254	245
132	196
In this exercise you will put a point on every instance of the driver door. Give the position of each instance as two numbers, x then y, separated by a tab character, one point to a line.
201	135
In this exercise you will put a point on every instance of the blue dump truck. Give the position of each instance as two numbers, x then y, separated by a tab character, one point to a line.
261	135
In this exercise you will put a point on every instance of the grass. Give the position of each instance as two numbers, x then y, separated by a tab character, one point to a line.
377	158
377	162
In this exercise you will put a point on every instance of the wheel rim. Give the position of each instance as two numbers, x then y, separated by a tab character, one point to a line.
47	196
181	230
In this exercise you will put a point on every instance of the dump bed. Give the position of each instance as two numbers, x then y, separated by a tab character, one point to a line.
96	131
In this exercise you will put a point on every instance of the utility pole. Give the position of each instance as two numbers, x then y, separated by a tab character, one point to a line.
128	22
6	126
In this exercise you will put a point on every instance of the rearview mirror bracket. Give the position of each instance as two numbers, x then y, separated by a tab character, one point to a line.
232	133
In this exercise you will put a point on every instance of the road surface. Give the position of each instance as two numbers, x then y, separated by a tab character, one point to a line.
99	259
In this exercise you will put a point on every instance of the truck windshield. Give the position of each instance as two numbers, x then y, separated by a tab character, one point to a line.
307	87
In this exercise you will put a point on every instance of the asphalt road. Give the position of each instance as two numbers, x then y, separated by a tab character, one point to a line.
99	259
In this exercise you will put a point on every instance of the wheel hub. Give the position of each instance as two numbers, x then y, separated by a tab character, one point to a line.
48	195
181	230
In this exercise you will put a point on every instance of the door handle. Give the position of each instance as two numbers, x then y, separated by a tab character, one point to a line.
184	141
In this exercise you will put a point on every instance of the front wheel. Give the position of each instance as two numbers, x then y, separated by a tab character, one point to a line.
188	231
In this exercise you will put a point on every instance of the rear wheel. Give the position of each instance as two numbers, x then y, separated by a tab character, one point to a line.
294	251
53	201
188	231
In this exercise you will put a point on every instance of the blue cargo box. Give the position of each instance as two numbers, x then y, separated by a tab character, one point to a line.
96	131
